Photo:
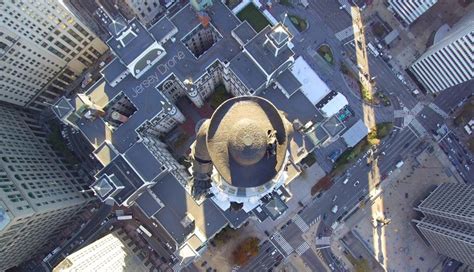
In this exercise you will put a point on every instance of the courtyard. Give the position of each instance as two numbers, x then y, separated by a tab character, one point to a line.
254	17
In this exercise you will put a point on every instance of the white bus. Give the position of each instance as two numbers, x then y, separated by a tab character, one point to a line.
374	50
124	217
142	229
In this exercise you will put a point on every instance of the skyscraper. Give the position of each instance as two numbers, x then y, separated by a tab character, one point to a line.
449	61
409	11
145	10
38	191
43	48
448	221
113	252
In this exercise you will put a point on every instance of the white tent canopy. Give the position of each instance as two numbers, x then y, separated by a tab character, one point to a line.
334	105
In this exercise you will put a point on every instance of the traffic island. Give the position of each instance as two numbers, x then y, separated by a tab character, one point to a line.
299	23
325	52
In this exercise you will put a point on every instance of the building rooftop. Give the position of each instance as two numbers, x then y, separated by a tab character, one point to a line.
312	85
244	32
180	207
144	162
355	133
161	28
134	40
237	141
288	82
148	203
246	69
117	180
263	54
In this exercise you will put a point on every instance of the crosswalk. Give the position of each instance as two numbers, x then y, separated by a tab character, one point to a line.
287	248
302	248
345	33
300	223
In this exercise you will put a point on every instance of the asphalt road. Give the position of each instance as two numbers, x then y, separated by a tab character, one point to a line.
394	148
449	99
457	153
459	156
268	258
386	80
335	18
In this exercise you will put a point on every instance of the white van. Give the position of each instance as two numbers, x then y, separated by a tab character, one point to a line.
345	181
334	209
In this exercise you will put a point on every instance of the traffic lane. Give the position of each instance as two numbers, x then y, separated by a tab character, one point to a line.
292	234
386	78
358	172
449	99
394	153
334	17
430	119
333	263
84	233
267	259
312	261
459	157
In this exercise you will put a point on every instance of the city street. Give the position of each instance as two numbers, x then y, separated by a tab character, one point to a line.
267	258
93	226
397	146
458	156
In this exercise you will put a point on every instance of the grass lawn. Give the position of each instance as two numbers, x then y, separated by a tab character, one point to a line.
298	22
381	130
325	52
254	17
365	93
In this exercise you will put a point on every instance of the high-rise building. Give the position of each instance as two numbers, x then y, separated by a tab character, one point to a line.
146	10
409	11
448	221
449	61
39	193
114	252
43	48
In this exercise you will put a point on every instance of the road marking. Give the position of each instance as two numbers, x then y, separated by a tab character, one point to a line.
283	243
300	223
302	248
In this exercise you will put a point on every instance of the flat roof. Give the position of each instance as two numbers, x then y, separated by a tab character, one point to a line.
162	28
244	32
148	204
248	72
105	153
127	176
355	133
312	85
289	82
178	203
136	42
264	55
296	107
144	162
334	104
